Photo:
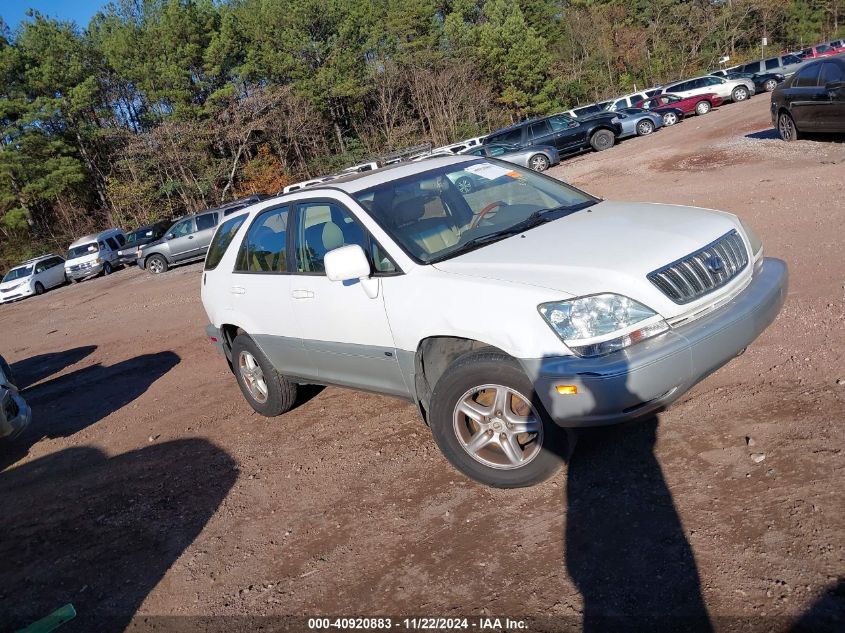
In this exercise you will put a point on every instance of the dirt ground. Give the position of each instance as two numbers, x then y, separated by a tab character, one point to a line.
147	487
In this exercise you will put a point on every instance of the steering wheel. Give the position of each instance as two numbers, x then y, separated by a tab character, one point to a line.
484	212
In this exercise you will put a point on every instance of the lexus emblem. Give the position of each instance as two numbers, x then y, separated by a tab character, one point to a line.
715	264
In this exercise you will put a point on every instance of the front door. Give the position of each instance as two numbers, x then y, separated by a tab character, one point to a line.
206	223
345	332
180	239
832	85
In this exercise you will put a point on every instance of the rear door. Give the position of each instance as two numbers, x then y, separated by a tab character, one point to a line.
807	97
831	116
569	134
206	223
540	133
55	271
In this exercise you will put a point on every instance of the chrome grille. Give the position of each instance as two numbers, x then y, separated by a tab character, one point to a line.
703	271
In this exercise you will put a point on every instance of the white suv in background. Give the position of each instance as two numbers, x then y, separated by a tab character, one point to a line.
32	277
505	313
728	89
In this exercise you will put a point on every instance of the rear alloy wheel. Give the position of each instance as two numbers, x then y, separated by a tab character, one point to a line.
464	185
156	264
602	140
266	391
702	107
39	288
538	162
770	85
488	422
786	127
670	118
645	127
740	93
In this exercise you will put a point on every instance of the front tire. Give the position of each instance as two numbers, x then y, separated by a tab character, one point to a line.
39	288
602	140
786	128
539	162
488	422
740	93
702	107
107	269
156	264
266	391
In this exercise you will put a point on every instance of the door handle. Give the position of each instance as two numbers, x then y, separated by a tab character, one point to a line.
302	294
237	290
190	237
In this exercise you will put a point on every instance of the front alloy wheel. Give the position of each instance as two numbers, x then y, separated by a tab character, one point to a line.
539	162
740	94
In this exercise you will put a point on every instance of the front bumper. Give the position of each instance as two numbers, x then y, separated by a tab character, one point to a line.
16	294
652	374
15	414
84	273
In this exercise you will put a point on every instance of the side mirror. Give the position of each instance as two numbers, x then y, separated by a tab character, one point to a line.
349	263
169	236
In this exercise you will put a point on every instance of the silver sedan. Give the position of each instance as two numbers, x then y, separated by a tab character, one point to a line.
536	157
638	122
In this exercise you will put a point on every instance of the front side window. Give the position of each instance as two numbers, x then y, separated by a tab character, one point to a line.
808	77
560	122
439	213
112	244
320	228
540	129
791	59
206	221
221	241
183	228
498	150
264	249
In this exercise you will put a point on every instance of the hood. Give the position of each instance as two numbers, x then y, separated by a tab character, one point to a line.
609	247
8	285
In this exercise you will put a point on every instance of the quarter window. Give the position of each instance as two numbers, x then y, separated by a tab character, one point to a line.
808	77
264	249
320	228
221	241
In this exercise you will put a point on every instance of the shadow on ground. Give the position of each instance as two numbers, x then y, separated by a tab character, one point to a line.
67	404
36	368
100	532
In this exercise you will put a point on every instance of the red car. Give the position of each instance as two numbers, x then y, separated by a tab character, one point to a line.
698	104
820	50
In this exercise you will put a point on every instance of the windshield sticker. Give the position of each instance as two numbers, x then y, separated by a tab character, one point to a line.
490	172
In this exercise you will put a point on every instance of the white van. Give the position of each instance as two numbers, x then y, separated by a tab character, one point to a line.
94	254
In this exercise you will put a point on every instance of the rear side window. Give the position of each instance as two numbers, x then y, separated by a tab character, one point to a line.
206	221
830	72
791	59
808	77
264	249
513	136
221	241
773	63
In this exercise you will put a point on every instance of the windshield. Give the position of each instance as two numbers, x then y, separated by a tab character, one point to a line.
18	273
438	213
84	249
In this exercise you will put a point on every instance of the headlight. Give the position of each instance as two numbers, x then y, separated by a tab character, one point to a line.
601	324
753	240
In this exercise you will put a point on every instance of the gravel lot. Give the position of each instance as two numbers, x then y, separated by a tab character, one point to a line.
146	486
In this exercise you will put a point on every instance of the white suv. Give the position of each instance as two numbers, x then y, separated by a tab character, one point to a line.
32	277
506	313
728	89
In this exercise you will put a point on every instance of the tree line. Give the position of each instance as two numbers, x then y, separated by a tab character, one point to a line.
161	107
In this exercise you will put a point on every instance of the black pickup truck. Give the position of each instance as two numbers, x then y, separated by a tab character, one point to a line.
568	135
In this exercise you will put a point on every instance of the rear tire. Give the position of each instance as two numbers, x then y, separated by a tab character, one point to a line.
740	93
602	140
538	162
267	392
786	128
770	85
645	127
702	107
489	450
156	264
